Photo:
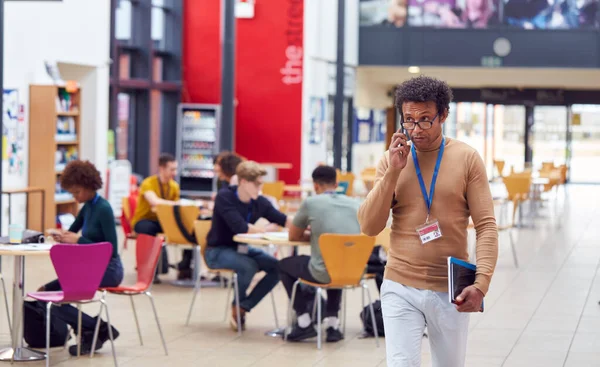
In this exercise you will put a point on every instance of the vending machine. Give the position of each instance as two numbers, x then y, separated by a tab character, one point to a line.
197	146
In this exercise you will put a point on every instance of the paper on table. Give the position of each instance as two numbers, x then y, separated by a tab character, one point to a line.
267	235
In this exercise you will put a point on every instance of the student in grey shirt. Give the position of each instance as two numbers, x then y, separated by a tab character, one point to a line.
326	212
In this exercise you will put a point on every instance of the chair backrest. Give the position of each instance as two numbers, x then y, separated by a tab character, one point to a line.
345	257
517	185
499	164
147	254
166	217
201	228
80	268
274	189
346	177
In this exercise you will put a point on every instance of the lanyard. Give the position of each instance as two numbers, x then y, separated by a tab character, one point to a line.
162	192
428	198
87	215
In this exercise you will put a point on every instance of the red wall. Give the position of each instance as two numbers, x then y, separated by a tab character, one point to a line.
268	76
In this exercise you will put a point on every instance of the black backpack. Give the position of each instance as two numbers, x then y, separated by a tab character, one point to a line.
34	326
365	317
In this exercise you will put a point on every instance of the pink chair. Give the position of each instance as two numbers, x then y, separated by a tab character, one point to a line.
80	269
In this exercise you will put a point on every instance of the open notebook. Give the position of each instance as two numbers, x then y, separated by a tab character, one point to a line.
270	236
461	274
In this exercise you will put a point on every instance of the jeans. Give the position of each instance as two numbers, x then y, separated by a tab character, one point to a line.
153	228
296	267
406	312
68	313
245	266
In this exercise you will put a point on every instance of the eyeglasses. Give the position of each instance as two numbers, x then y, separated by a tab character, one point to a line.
423	124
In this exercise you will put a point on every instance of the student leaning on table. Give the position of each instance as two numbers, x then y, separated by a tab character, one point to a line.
236	210
414	292
96	221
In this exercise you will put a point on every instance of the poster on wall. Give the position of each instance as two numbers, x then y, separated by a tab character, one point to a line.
524	14
13	134
316	120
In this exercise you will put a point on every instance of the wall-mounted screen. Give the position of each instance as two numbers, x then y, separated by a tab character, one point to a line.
522	14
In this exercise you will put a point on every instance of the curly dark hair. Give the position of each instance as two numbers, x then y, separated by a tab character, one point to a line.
229	163
424	89
81	173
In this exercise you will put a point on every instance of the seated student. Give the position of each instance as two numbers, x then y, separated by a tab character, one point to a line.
236	209
326	212
96	221
155	190
225	165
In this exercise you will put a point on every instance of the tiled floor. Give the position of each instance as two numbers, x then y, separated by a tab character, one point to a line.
545	313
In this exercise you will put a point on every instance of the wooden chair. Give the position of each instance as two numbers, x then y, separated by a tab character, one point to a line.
499	164
201	228
347	177
345	258
274	189
175	237
518	186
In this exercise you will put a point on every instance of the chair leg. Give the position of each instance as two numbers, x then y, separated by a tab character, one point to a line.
319	326
6	304
362	296
48	307
96	330
290	309
345	308
513	249
110	333
274	310
162	337
365	287
237	303
229	291
197	285
78	330
135	317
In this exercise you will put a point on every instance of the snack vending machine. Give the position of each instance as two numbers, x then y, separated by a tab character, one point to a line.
197	146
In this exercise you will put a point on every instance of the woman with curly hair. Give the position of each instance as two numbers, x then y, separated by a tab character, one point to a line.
94	223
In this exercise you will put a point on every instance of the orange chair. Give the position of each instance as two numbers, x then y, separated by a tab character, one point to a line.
147	253
345	258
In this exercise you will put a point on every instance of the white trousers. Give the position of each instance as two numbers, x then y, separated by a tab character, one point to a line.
406	313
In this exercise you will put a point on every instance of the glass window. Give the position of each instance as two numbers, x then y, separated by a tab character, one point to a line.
123	20
158	20
585	144
549	135
509	136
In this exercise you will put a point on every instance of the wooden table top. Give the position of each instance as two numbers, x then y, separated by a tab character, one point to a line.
30	249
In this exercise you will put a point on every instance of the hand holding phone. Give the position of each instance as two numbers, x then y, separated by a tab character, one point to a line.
399	150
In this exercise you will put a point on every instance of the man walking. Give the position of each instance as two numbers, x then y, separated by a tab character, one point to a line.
432	186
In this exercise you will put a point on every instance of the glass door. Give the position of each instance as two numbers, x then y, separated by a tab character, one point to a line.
549	135
585	144
509	136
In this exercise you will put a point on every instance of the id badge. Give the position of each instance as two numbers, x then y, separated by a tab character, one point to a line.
242	249
429	231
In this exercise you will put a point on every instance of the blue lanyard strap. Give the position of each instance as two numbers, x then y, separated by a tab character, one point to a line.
428	198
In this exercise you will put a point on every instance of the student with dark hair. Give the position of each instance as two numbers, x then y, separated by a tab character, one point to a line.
96	221
326	212
225	165
155	190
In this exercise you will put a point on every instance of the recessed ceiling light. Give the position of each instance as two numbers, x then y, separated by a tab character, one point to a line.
414	69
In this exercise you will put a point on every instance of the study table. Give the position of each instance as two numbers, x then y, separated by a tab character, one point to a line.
17	352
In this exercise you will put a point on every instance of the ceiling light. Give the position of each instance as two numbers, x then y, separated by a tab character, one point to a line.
414	69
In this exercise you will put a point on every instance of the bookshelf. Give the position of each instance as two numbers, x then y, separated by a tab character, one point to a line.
54	140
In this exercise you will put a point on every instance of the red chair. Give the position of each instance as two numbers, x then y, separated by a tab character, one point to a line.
147	253
80	270
129	205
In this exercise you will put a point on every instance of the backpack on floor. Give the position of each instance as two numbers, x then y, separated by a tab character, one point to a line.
365	317
34	326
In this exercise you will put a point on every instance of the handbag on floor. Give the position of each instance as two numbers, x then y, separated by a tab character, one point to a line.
365	317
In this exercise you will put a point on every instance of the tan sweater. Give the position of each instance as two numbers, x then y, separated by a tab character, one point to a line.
462	190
